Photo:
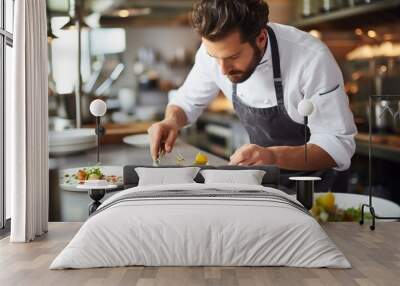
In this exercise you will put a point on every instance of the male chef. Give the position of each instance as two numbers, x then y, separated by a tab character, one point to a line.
265	70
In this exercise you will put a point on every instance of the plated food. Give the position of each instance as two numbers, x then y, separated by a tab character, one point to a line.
201	159
325	209
83	175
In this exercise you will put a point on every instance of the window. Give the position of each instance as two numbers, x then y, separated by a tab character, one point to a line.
6	43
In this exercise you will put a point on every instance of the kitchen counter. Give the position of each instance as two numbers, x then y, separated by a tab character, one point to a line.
383	147
69	204
124	154
374	255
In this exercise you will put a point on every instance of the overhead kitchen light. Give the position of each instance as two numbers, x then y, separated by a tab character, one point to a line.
358	32
123	13
372	34
131	12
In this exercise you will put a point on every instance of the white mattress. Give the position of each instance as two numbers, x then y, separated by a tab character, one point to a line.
206	231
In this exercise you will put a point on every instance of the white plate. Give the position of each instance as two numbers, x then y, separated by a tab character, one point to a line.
71	148
89	187
382	207
139	140
71	136
96	183
68	183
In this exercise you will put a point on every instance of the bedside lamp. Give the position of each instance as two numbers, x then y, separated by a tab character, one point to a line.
305	185
305	109
98	108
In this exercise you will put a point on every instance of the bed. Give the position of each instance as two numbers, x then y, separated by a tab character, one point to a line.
201	224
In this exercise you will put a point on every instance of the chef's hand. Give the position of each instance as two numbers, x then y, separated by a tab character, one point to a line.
251	154
162	137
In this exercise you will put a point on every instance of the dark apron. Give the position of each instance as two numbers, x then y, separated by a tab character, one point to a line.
273	126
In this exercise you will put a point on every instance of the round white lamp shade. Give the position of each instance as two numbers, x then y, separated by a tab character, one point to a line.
305	107
98	107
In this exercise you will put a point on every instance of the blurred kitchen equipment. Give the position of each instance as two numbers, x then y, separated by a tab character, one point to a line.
110	80
328	5
369	205
60	124
98	67
360	2
117	131
76	21
149	113
71	141
396	119
122	117
310	8
149	80
127	98
147	56
388	84
66	107
382	116
138	140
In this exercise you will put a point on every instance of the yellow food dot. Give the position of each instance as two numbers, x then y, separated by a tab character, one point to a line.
328	201
201	159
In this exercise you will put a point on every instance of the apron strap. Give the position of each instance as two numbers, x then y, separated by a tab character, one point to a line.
276	66
234	90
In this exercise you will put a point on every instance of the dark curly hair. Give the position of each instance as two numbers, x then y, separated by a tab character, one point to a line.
215	19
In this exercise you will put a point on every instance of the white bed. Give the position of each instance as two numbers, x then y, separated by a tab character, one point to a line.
264	229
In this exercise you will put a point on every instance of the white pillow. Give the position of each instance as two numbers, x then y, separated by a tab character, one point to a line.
166	176
248	177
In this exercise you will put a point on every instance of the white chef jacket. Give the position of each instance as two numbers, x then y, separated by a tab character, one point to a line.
308	71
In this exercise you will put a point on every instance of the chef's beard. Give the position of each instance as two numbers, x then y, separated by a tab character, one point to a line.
236	76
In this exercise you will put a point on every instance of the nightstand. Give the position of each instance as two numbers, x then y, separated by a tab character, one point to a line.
96	193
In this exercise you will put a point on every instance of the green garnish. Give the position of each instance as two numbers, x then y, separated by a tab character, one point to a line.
93	171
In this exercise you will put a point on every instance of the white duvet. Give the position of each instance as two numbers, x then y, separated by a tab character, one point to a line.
204	231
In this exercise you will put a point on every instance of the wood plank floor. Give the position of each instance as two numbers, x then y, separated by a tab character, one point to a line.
375	257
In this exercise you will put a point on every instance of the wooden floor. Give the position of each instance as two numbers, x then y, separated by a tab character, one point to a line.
375	257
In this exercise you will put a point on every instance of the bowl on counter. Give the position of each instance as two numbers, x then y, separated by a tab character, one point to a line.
71	141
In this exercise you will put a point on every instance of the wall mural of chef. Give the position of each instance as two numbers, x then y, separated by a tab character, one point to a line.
266	70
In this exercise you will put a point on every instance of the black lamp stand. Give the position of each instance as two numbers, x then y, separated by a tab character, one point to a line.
100	131
370	188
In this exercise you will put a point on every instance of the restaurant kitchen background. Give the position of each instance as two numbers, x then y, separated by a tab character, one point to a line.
135	54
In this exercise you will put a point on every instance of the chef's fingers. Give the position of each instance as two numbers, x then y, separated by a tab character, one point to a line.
155	141
239	157
169	143
250	161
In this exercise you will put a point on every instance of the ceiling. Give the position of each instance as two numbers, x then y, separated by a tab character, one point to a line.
165	12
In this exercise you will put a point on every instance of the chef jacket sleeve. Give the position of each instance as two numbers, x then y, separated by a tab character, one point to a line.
332	124
199	88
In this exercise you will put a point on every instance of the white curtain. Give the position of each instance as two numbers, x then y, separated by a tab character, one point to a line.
27	123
